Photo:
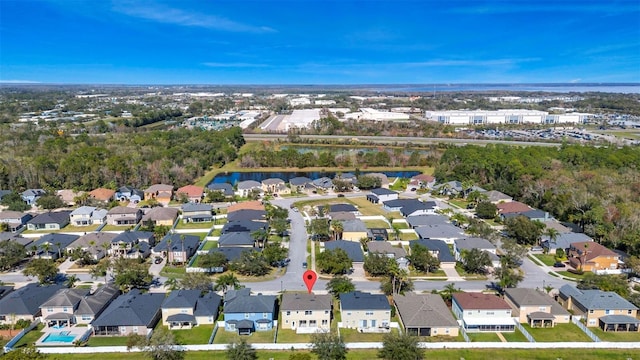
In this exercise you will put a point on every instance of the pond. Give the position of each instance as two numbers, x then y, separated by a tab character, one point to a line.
234	177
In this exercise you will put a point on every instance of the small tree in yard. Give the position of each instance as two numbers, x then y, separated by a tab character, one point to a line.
160	346
333	262
422	260
523	230
376	264
486	210
241	350
340	285
44	269
400	347
328	346
475	261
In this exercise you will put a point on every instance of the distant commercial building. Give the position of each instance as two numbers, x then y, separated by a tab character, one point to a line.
509	116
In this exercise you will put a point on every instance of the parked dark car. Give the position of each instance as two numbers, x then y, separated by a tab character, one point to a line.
304	265
157	260
340	195
558	265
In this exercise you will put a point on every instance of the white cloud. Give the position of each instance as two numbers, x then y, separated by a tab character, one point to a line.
234	65
12	81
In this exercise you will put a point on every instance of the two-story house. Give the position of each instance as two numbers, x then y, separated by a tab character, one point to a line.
535	308
275	186
87	215
591	256
130	313
365	312
191	193
160	192
30	196
246	313
184	309
51	246
58	310
15	220
177	248
132	244
124	216
482	312
606	309
301	184
246	188
225	189
96	244
160	216
24	303
130	194
49	221
196	213
305	313
91	306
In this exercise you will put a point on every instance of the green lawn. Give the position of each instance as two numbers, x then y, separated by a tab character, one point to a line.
546	259
484	337
440	354
171	271
442	338
376	224
468	276
459	203
107	341
572	275
117	228
208	245
191	225
515	336
352	335
31	337
616	336
408	236
400	225
400	184
89	228
561	332
290	336
226	337
198	335
418	273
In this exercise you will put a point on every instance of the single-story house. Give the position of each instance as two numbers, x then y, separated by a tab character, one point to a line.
51	246
411	207
426	220
102	194
381	195
439	249
534	307
184	309
354	230
425	315
96	244
196	213
191	193
460	245
246	205
393	252
341	216
69	196
563	240
306	313
496	197
130	313
49	221
130	194
365	312
606	309
423	181
343	208
384	179
160	216
352	248
236	239
243	226
247	215
246	313
445	232
512	207
482	312
323	183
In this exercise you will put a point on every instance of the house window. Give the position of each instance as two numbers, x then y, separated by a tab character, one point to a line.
135	329
265	315
629	312
308	312
590	311
349	313
490	313
86	317
246	315
231	326
446	331
303	323
325	322
608	312
288	313
313	323
184	311
123	329
369	313
326	312
542	308
49	309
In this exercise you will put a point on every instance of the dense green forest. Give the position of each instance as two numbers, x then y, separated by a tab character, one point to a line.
38	159
597	188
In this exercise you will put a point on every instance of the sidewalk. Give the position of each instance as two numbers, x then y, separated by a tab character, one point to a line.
66	265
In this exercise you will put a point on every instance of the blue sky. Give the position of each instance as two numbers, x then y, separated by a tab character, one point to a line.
318	42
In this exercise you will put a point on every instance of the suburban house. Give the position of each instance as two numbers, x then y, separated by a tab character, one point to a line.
59	308
365	312
96	244
7	236
411	207
301	184
482	312
378	234
354	230
246	313
347	177
466	244
15	220
323	183
246	205
49	221
352	248
69	196
341	216
384	179
91	306
130	313
24	303
245	188
132	244
87	215
512	207
423	181
224	188
333	208
184	309
124	216
390	251
426	220
196	213
605	309
177	248
445	232
130	194
496	197
233	253
439	249
102	195
51	246
191	193
451	188
425	315
160	192
243	226
381	195
30	196
236	239
159	216
563	241
591	256
534	307
275	186
305	313
247	214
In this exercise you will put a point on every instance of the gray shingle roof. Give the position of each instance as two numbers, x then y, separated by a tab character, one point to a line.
383	191
426	220
131	309
58	217
161	214
233	253
597	299
246	214
181	299
444	254
424	310
342	207
193	207
98	301
355	225
440	231
133	237
65	297
236	239
528	297
357	300
53	240
352	248
241	301
563	241
384	247
619	319
190	242
243	226
474	243
208	305
225	188
248	184
299	181
300	301
27	299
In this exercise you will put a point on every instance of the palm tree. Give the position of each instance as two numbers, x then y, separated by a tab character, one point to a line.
397	232
171	283
71	281
184	260
168	247
338	228
460	219
105	246
92	245
583	256
59	245
448	291
553	236
226	281
260	236
46	247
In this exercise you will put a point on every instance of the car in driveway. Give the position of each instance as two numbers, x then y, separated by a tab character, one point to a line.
558	265
157	260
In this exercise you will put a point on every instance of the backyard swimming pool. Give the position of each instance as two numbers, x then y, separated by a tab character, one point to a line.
62	336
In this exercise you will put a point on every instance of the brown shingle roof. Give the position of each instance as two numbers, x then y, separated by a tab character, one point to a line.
594	250
191	190
424	177
102	194
512	207
478	301
246	205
